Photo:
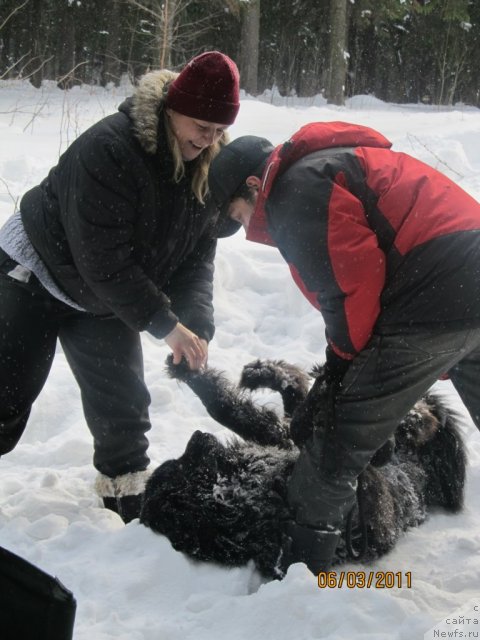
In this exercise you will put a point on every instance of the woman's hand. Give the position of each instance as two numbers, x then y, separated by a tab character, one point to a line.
185	343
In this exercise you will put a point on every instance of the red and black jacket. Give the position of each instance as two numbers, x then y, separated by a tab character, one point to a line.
375	239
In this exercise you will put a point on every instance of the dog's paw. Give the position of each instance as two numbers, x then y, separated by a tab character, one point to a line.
273	374
180	371
257	374
318	371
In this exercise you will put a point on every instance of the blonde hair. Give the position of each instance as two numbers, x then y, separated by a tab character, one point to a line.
202	163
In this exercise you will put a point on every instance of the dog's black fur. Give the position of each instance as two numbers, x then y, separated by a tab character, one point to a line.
227	503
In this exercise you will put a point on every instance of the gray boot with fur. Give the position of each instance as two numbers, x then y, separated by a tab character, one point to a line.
123	494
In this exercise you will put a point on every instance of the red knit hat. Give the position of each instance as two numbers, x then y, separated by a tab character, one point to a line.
207	88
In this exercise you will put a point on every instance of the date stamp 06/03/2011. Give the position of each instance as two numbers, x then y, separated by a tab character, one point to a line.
365	579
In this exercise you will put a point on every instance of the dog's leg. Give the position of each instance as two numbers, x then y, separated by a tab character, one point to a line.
429	434
229	408
288	380
444	459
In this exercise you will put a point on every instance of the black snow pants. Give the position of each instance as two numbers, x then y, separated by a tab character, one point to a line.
381	385
106	359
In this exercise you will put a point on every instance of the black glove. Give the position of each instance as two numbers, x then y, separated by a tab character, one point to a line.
315	547
335	367
309	412
384	454
317	408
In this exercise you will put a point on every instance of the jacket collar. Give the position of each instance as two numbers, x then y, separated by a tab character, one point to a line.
258	228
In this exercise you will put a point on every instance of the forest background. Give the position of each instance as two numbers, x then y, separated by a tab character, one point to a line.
402	51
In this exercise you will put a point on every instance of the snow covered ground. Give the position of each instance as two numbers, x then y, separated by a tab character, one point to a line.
129	583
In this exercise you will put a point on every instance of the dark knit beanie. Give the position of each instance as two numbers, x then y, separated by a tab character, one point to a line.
207	88
246	156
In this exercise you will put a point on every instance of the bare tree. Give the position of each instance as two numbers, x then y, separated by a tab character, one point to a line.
12	13
162	12
173	28
451	59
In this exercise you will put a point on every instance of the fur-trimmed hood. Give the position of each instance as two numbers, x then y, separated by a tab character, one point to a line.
145	107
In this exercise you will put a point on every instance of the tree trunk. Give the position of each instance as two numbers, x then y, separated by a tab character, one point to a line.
66	47
112	60
34	69
338	55
165	29
249	48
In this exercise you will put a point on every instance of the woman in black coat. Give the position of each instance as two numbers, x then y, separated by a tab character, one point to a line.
119	238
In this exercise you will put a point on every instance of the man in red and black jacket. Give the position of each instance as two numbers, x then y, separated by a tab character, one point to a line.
388	250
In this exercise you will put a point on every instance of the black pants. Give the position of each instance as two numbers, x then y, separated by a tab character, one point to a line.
106	359
380	387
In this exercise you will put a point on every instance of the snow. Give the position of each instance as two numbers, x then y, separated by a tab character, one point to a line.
129	583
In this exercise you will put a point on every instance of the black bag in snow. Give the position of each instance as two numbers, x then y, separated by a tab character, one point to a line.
33	604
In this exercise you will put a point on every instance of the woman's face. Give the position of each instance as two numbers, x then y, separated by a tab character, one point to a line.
193	135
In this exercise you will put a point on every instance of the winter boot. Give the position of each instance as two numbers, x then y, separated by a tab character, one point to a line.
315	547
123	494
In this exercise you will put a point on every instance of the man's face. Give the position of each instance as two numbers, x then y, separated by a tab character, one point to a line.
241	208
241	211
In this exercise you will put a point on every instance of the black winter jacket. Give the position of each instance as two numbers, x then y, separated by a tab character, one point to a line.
116	233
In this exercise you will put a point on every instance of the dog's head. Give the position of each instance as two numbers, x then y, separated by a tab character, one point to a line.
208	501
176	491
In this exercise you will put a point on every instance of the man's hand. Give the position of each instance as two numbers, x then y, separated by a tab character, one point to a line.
185	343
310	412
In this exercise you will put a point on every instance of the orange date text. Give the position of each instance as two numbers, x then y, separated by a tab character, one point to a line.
364	579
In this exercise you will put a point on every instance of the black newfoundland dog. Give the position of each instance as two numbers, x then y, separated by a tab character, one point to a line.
227	503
